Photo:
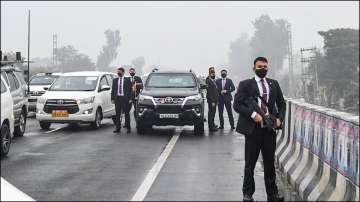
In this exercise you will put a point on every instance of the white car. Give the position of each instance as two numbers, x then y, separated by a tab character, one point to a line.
38	85
7	118
77	97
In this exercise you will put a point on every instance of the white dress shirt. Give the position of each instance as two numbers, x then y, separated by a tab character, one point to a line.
122	86
223	83
258	82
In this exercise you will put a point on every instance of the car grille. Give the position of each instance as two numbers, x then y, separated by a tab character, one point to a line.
169	100
32	100
36	93
61	104
169	109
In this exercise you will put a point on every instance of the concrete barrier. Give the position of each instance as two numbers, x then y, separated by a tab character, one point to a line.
318	150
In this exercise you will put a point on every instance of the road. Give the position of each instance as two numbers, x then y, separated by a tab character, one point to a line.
79	163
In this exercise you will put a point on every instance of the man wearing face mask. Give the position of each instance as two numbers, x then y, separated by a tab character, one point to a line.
268	95
212	96
137	85
225	88
121	95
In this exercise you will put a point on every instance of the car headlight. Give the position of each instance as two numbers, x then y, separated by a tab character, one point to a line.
41	100
194	97
86	100
145	97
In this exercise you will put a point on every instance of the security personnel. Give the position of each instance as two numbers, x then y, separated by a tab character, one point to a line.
225	88
137	85
250	124
212	96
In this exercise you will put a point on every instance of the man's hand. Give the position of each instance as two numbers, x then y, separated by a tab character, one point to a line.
258	118
278	122
130	101
112	101
223	91
213	104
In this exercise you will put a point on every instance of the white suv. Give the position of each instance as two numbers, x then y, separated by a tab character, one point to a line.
7	118
77	97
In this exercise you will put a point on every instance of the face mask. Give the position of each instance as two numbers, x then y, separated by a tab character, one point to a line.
261	72
212	76
120	74
223	75
132	74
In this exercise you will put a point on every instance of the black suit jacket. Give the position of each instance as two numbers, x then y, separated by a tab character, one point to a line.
212	93
139	85
229	87
128	93
248	88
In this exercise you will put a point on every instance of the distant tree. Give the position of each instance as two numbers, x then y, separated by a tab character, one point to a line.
271	41
138	64
109	51
340	73
70	60
240	59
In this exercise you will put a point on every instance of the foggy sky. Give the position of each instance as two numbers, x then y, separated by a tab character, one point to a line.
176	34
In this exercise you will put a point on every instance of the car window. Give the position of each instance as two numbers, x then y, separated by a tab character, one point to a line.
14	84
103	81
110	79
169	80
42	80
3	87
20	77
74	83
5	77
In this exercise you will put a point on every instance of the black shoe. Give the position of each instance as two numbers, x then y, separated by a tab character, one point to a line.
247	197
232	127
117	131
275	197
213	129
221	127
124	126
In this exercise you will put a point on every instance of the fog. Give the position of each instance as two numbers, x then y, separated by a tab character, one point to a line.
172	34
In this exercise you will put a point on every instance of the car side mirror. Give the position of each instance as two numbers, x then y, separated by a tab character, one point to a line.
203	86
105	88
46	88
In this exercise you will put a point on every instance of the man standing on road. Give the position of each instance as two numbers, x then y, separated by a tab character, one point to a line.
250	124
137	85
121	95
212	96
225	88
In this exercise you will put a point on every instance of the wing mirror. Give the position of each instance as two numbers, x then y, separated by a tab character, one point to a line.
46	88
105	88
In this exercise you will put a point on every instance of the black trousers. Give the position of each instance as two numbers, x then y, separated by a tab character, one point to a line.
133	103
211	115
265	141
122	106
228	107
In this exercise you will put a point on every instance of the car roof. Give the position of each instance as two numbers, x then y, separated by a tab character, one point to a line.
172	72
85	73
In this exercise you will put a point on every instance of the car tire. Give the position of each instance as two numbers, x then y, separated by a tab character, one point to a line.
199	127
5	139
142	128
20	129
97	122
44	125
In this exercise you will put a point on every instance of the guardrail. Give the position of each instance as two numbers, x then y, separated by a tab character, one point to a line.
318	150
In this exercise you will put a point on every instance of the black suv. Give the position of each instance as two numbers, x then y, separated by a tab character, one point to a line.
171	98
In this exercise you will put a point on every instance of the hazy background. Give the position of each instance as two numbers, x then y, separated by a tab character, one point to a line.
174	34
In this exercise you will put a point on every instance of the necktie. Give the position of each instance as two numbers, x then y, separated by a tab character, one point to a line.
120	90
264	95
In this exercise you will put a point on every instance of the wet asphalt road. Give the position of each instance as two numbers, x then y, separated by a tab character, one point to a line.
79	163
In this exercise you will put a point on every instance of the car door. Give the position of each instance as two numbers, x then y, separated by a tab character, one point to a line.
16	94
110	78
105	96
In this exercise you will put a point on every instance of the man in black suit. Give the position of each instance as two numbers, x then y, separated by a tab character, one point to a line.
137	85
257	137
225	87
121	95
212	96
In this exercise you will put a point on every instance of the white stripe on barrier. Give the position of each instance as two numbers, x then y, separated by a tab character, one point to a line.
292	160
321	186
309	175
357	194
300	167
340	189
11	193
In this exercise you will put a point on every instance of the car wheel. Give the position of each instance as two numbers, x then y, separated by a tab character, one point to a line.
199	128
5	140
20	129
44	125
97	123
143	128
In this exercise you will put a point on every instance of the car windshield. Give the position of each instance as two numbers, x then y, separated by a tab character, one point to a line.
171	80
74	83
42	80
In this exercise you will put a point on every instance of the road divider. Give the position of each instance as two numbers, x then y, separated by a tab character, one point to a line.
11	193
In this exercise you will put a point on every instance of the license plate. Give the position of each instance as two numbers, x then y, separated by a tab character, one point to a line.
60	113
169	116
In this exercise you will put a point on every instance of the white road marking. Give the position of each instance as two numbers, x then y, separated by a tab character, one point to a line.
11	193
155	170
56	129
